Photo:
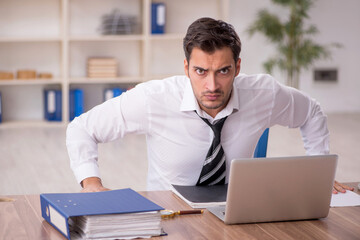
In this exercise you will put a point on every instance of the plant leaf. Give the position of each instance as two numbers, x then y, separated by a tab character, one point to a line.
269	25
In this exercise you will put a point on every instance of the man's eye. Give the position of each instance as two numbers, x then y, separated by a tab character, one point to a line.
200	71
224	71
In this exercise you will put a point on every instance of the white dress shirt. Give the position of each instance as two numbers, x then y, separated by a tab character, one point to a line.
178	140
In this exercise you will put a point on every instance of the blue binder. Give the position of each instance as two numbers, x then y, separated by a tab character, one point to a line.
52	105
112	92
0	108
76	103
158	18
57	208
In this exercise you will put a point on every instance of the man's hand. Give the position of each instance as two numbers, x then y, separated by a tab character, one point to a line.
338	187
93	184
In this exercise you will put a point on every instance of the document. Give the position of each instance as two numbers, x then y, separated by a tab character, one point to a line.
348	199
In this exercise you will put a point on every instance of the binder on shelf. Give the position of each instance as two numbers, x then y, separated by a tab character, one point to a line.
61	210
158	18
113	92
52	105
76	103
0	108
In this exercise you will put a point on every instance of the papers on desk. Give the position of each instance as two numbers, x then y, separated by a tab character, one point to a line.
348	199
116	226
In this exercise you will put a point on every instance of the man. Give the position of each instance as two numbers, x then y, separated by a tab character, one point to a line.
178	115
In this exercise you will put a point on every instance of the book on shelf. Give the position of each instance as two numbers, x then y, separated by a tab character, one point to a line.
76	103
102	75
102	68
202	196
158	18
112	92
52	105
115	214
6	75
99	61
26	74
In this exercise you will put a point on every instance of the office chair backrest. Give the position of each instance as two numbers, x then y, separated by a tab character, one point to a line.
261	147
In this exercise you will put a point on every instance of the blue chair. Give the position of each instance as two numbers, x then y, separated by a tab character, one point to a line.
261	147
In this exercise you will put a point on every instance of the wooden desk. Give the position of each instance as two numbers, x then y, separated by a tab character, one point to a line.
21	219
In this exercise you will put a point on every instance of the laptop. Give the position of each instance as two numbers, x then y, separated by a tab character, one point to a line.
278	189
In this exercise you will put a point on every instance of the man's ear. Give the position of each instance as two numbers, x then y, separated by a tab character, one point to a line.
186	68
238	63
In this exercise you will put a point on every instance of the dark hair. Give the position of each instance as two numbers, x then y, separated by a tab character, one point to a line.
209	35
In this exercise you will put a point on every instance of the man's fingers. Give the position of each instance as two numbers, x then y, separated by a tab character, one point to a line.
94	189
338	187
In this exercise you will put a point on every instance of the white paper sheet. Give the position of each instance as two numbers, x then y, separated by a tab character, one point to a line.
347	199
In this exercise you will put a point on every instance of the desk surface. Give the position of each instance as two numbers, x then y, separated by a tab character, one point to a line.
21	219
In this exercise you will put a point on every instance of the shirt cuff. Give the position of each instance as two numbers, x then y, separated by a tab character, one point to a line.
86	170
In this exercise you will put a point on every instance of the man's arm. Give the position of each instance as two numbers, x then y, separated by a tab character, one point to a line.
294	109
106	122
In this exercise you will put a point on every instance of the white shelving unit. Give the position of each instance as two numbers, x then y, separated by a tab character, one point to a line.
58	36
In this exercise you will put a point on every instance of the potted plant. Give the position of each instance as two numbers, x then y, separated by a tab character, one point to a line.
296	50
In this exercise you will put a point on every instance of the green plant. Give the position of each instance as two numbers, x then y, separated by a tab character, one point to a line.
296	51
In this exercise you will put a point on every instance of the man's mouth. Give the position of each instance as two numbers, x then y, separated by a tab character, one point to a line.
212	97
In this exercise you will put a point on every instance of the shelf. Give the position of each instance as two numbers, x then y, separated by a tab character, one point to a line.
29	39
59	36
120	80
106	38
168	36
20	82
33	123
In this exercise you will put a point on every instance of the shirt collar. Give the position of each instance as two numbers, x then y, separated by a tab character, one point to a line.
189	103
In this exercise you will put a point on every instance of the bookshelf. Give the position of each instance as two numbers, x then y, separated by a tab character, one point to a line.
58	36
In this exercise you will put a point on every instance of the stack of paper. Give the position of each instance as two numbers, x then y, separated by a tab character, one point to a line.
102	68
348	199
115	226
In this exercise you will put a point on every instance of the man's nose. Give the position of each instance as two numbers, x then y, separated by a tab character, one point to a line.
211	83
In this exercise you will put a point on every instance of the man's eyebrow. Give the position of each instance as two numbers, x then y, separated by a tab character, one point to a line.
226	67
196	67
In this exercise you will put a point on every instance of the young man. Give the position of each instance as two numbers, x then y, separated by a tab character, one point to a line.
179	116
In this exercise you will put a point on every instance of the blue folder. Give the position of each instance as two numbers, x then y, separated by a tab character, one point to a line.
76	103
52	105
57	208
112	92
158	18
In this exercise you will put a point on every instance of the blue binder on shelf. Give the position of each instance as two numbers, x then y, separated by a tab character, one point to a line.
158	18
52	105
0	108
58	208
76	103
112	92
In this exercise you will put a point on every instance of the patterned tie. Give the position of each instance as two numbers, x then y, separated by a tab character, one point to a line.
213	171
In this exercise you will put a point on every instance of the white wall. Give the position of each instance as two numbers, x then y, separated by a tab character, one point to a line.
337	21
